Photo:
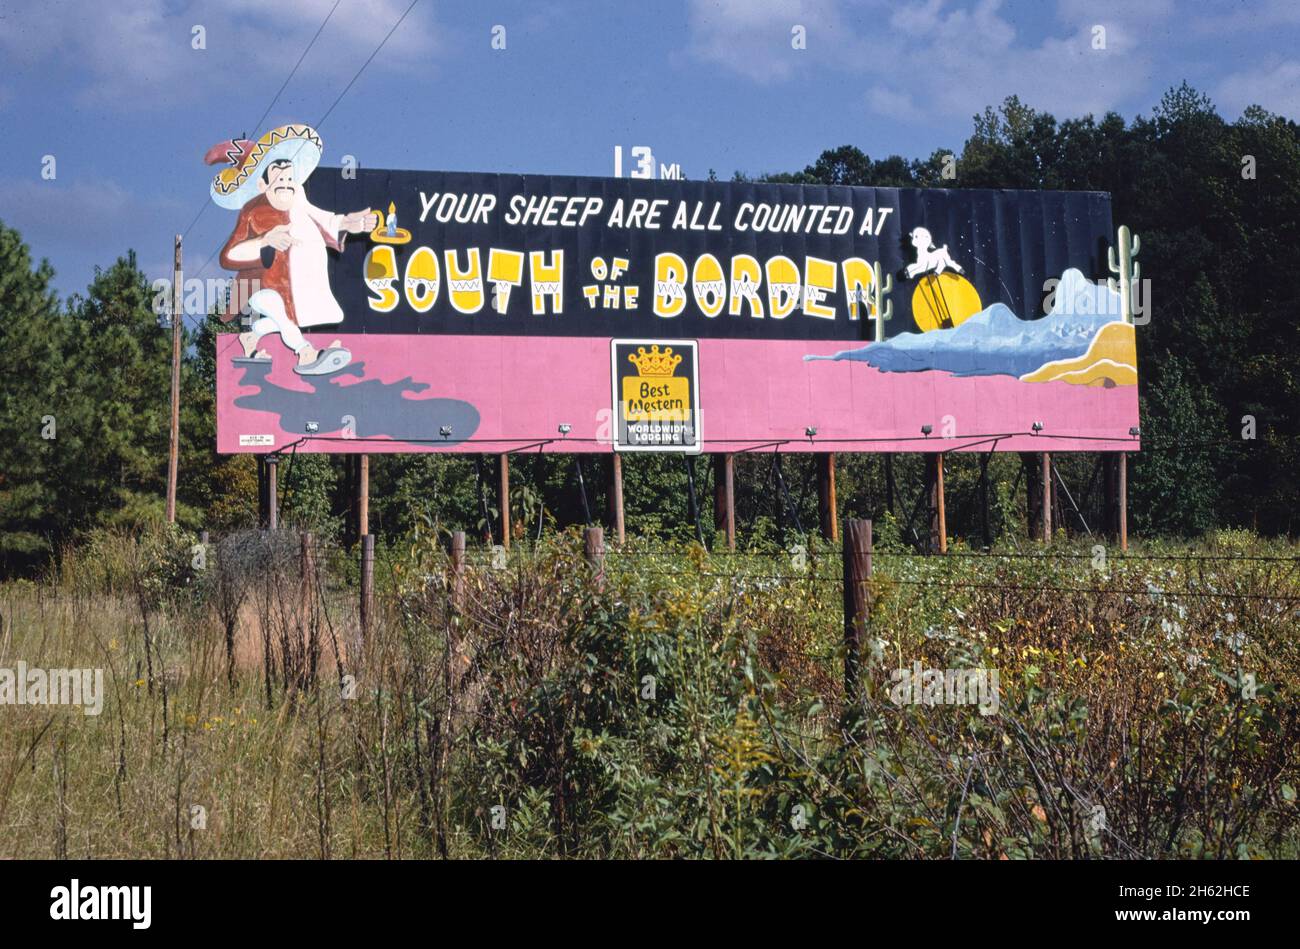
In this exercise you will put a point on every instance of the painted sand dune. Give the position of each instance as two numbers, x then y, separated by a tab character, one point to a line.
1111	360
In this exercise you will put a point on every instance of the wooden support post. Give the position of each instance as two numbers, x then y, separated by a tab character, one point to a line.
261	492
616	497
938	514
724	496
174	438
719	491
349	503
1046	503
363	495
272	501
826	495
503	498
1122	479
857	571
458	569
367	581
889	483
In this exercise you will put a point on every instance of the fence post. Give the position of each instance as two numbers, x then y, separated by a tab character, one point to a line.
367	581
857	570
458	568
593	541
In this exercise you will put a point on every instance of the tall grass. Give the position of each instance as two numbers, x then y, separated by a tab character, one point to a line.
669	704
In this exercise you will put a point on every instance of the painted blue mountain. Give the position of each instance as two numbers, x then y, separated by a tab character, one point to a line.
996	342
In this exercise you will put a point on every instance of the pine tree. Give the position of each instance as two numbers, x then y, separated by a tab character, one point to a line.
119	363
31	420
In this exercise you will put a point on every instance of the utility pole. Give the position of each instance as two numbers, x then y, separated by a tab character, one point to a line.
174	441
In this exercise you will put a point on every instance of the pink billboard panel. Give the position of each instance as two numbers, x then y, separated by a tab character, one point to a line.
509	393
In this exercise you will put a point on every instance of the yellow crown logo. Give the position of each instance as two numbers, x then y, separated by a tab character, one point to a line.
654	363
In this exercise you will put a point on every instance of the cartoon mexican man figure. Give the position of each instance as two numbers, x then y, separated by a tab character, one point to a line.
278	245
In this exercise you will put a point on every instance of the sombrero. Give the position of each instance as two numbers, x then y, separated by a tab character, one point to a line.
235	186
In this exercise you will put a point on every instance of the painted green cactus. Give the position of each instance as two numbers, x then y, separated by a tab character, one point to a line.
881	309
1126	269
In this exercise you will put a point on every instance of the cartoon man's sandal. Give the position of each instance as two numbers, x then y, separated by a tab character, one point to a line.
330	359
252	355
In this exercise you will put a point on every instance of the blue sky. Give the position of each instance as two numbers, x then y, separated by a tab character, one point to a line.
117	94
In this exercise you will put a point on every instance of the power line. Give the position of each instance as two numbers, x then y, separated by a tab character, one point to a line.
339	98
366	63
293	71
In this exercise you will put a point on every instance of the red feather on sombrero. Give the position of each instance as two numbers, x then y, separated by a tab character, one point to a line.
232	152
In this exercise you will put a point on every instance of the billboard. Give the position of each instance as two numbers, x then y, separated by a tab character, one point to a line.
449	311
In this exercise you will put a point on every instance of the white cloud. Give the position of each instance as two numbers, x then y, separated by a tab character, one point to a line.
890	103
121	56
939	58
1256	16
955	60
753	37
1275	86
1089	12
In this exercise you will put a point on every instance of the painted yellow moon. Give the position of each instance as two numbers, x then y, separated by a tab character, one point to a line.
942	301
